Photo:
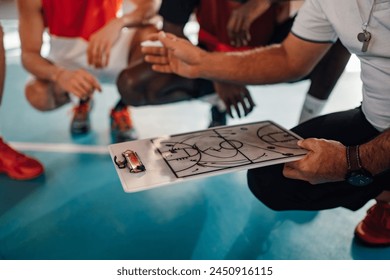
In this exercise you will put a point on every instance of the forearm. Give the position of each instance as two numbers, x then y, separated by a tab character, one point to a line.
40	67
289	61
259	66
375	155
31	30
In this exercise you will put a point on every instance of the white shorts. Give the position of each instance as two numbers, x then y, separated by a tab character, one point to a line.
71	53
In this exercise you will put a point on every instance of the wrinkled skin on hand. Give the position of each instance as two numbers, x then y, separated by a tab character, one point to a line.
325	162
78	82
178	56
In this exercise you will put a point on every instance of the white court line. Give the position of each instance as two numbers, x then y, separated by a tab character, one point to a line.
59	148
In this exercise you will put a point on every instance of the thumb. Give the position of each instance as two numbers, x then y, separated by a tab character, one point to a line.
307	144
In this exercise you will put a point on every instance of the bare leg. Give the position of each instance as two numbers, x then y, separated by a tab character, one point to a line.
328	71
45	96
14	164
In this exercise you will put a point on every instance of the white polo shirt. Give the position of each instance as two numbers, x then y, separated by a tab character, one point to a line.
327	20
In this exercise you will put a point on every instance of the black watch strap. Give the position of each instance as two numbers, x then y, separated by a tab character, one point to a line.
356	175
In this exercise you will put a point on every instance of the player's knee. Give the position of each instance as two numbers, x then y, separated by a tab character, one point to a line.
37	97
128	86
264	188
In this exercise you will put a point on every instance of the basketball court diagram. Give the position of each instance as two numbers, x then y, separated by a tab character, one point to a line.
222	148
174	158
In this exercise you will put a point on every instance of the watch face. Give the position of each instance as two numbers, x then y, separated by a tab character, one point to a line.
357	178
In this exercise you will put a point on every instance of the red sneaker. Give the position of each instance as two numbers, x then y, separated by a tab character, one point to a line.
374	230
16	165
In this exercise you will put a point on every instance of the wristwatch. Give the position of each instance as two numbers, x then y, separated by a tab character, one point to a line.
356	175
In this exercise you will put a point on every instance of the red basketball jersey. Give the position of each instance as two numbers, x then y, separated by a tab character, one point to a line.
213	16
78	18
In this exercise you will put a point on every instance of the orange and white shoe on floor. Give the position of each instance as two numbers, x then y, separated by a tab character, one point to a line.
122	129
374	230
17	165
81	123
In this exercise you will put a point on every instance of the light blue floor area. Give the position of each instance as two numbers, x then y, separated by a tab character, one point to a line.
78	210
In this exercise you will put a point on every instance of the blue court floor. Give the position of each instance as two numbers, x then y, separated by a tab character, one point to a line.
78	209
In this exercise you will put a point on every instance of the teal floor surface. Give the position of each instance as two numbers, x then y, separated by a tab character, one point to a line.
78	209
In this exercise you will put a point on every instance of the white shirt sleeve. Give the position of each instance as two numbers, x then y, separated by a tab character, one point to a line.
311	23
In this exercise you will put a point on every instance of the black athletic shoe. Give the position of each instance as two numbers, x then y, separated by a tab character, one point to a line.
218	118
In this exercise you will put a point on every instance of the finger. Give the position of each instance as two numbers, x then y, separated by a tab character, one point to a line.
248	36
246	30
106	54
89	54
97	57
248	108
249	104
162	68
79	91
290	172
158	60
240	105
244	40
236	107
245	107
237	40
91	51
228	109
96	85
237	23
246	24
84	85
229	27
249	99
158	51
308	144
93	83
228	105
152	37
167	39
101	54
241	99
